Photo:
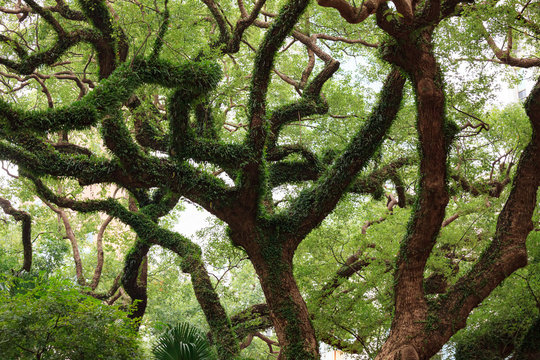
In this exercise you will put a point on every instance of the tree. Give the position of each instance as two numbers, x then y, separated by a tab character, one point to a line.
161	154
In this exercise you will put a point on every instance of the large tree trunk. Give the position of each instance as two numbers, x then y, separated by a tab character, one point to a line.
408	339
419	331
288	311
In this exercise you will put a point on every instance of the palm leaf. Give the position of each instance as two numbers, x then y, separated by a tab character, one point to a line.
183	342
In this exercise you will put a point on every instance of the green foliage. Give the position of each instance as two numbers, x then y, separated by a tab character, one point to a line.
48	318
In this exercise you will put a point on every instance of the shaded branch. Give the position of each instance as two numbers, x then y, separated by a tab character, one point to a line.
26	220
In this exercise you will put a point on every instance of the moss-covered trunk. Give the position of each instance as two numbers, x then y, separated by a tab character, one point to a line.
288	311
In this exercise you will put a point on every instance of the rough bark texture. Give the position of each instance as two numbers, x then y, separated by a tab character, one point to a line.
270	235
507	251
418	330
407	335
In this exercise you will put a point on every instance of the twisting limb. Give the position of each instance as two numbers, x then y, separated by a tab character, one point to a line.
143	222
310	103
242	24
504	56
134	278
253	172
99	248
221	20
113	291
506	252
355	15
46	14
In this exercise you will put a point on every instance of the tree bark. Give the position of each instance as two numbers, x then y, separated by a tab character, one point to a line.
420	330
407	335
99	249
288	311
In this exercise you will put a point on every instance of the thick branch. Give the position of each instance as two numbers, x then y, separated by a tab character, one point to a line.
253	177
355	15
149	232
264	60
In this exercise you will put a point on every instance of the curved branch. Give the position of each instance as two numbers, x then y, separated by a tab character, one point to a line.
72	239
264	60
310	103
505	57
149	232
355	15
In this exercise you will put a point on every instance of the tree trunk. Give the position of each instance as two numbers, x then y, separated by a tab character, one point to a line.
288	311
409	337
23	216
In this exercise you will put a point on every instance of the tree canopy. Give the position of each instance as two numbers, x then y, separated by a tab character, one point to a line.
361	142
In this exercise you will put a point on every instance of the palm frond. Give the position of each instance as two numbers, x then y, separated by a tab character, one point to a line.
183	341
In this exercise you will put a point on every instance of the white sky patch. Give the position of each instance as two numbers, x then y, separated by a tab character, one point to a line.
191	220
